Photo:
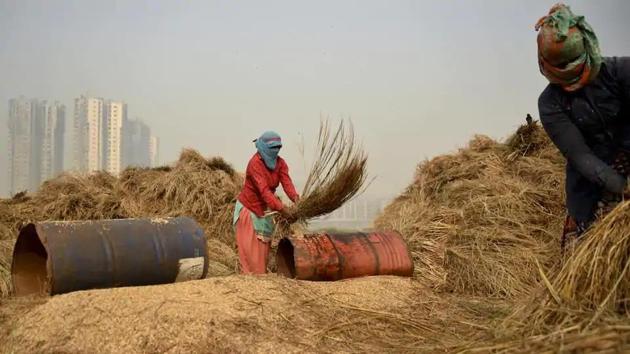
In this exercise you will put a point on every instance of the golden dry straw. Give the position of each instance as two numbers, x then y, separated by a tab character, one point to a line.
248	314
79	197
588	293
338	173
6	254
478	220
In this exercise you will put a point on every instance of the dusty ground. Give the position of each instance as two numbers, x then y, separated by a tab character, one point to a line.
237	314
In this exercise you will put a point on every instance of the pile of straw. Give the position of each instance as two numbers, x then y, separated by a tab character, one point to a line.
6	253
79	197
595	277
487	221
583	303
478	221
204	189
14	213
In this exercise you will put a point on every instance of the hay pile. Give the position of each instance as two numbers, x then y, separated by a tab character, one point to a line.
595	278
6	254
487	221
14	213
478	220
204	189
77	197
246	314
585	304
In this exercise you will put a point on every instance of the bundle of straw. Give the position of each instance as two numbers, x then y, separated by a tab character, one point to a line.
594	281
338	173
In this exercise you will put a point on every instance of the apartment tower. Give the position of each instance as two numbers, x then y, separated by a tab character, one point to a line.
36	135
115	121
88	134
154	151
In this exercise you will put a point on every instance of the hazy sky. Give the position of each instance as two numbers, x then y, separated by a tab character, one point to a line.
418	78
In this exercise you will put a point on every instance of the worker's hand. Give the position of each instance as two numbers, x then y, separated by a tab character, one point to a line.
297	199
288	213
626	192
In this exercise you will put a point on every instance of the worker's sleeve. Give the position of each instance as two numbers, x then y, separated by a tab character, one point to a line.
569	140
256	173
287	183
623	73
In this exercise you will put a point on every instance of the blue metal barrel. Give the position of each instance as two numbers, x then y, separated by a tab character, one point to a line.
62	256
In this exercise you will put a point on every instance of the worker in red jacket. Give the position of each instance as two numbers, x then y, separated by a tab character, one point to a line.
254	227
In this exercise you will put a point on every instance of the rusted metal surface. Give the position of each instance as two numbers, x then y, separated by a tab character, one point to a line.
59	257
334	256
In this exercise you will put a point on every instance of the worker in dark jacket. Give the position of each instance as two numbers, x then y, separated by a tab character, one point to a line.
585	110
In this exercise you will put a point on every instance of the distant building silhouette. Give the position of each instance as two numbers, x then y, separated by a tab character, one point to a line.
137	144
115	121
89	134
53	142
105	139
154	151
36	143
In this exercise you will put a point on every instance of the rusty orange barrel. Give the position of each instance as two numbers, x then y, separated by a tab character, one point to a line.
334	256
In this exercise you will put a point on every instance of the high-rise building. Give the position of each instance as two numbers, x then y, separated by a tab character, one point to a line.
115	121
89	134
106	140
38	121
53	141
137	144
36	132
154	151
20	126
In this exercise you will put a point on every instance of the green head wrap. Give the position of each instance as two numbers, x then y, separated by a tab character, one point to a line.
568	50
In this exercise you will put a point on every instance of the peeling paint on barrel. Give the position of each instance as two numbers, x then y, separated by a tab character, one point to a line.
334	256
59	257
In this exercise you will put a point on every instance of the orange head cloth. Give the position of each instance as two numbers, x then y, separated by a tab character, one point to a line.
568	50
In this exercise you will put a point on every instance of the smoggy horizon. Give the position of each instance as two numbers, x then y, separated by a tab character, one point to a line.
417	78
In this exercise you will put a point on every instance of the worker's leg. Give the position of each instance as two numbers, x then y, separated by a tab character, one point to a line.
582	203
252	252
582	199
244	235
259	256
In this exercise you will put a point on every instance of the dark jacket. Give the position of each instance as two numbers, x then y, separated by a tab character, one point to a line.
589	127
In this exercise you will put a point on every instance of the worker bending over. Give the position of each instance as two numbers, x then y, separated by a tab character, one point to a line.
265	171
585	110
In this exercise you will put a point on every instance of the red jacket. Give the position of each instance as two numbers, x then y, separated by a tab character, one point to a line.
261	183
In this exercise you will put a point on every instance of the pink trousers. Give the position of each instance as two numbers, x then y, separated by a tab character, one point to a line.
252	252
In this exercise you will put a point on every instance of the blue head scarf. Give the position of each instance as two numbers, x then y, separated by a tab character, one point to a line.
268	146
